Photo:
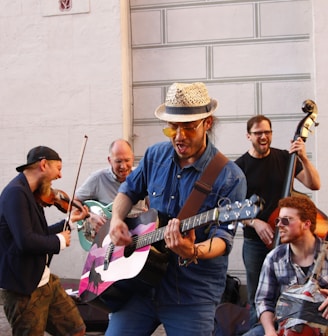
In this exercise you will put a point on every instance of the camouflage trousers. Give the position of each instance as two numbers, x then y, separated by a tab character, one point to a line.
48	308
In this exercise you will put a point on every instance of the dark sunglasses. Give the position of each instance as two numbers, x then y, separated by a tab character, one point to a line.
284	221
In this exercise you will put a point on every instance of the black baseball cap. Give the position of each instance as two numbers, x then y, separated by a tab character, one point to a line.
37	154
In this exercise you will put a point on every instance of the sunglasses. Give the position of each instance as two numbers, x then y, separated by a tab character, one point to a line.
171	131
284	221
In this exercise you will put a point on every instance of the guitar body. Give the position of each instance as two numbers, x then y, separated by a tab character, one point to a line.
112	274
125	262
85	230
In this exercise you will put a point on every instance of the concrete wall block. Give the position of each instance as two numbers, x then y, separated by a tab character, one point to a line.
282	98
135	3
236	265
262	59
169	64
230	138
146	27
146	100
285	18
210	23
147	135
236	100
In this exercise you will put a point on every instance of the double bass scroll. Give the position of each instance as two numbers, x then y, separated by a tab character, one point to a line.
303	129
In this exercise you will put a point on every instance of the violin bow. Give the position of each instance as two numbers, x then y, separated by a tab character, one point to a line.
66	225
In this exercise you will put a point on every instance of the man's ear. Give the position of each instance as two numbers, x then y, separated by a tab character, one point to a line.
208	123
307	224
42	164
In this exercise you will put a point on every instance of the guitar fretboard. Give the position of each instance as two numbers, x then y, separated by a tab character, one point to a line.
190	223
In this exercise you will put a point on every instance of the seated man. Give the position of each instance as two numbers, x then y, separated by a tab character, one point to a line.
290	263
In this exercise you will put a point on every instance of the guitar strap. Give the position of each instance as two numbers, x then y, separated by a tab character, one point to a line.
203	186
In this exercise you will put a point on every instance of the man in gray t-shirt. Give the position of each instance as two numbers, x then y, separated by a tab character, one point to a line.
103	184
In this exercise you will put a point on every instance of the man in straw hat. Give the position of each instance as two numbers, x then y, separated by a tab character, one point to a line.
34	300
186	298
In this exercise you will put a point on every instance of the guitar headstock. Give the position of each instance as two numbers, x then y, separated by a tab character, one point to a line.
247	209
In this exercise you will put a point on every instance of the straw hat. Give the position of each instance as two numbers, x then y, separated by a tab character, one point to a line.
186	102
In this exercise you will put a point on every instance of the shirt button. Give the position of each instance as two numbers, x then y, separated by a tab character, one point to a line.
179	176
154	193
172	197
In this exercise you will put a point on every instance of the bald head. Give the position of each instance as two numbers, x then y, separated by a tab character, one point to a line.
121	158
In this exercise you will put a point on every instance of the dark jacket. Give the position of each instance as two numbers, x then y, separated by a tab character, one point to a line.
27	243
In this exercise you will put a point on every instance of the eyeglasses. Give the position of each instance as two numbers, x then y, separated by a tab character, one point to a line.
260	133
171	131
285	221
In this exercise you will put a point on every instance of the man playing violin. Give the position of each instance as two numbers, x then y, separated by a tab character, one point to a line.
34	300
265	169
290	263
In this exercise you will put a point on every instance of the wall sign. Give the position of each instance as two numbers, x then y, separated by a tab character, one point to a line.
64	7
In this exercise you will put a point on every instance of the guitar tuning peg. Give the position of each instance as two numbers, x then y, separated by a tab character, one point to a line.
238	204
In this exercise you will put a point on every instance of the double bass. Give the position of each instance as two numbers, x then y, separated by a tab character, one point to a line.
294	306
303	129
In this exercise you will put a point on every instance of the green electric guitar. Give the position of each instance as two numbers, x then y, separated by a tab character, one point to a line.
85	229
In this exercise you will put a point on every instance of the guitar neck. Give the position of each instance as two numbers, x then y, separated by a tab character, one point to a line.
188	224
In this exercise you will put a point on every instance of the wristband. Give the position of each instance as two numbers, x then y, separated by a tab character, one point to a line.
186	262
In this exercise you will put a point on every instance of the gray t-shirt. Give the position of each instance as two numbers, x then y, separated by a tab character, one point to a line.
102	186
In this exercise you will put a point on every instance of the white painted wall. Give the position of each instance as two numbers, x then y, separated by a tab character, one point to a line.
61	79
65	75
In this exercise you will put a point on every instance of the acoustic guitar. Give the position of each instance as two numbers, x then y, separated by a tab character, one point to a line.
303	129
113	273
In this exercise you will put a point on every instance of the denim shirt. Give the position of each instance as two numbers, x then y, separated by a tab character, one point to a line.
168	186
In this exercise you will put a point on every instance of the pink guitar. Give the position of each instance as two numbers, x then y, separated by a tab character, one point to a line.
110	272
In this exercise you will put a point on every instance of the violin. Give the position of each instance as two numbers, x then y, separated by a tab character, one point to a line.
56	197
